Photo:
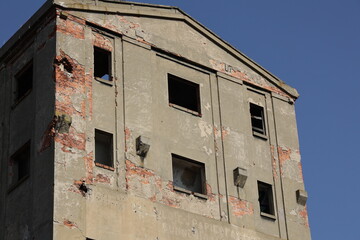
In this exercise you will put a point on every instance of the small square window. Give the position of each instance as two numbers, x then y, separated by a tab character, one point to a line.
23	82
103	149
102	64
188	175
19	167
257	119
266	200
184	93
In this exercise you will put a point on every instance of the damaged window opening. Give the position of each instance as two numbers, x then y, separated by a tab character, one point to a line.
23	82
266	198
184	93
257	119
102	64
188	175
103	149
19	167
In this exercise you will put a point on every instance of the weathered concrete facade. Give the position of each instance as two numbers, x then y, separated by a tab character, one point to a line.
66	194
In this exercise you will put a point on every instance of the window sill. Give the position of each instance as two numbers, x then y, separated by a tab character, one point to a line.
104	166
260	135
268	216
192	112
183	190
15	185
104	81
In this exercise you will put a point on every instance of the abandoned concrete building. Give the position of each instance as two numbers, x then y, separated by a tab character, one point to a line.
133	121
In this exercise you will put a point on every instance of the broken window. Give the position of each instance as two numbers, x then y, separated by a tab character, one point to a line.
103	148
23	81
102	63
266	198
20	164
188	175
257	119
184	93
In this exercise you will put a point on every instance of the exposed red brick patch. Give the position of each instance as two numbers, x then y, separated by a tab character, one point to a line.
71	80
69	224
301	176
242	75
170	202
70	25
102	42
48	136
102	178
142	173
128	23
274	162
284	155
240	207
127	133
209	193
304	216
89	166
224	132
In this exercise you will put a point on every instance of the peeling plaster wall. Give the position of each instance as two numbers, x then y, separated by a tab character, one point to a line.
26	207
182	40
290	169
135	198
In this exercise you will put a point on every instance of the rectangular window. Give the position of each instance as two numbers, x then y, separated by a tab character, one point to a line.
103	149
102	64
19	167
184	93
188	175
266	200
257	119
23	82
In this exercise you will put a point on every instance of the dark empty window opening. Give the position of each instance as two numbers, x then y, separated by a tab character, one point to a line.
184	93
102	64
188	175
266	198
103	148
20	164
24	81
257	119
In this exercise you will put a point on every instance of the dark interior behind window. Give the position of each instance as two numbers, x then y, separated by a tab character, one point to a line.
188	174
184	93
102	63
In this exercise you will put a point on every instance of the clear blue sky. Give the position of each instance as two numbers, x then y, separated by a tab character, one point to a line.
313	45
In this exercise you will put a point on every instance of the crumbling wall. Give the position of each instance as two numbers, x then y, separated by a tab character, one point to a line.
26	206
290	169
136	104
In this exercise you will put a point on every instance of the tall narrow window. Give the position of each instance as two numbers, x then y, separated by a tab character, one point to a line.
103	149
23	81
188	175
102	64
184	93
257	119
20	164
266	198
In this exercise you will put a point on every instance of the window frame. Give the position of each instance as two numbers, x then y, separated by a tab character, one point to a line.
197	112
110	62
268	189
28	66
190	162
258	132
102	164
19	151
